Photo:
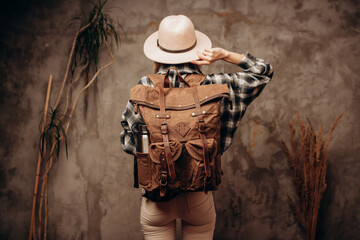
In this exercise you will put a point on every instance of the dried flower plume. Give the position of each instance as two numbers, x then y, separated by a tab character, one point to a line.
307	160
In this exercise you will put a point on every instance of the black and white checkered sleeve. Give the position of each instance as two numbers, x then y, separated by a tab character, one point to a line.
129	122
244	88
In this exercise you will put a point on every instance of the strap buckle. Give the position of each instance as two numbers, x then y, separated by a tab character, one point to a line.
164	128
163	179
201	126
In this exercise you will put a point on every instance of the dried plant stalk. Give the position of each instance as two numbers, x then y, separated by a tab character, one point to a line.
50	157
55	126
308	163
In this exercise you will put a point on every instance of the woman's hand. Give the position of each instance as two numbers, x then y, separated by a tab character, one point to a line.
210	55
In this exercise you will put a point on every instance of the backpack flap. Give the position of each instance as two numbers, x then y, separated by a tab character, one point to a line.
156	149
195	148
177	98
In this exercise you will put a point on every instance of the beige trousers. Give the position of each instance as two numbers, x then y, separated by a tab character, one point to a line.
195	209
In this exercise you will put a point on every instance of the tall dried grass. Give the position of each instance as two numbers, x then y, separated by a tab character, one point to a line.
307	159
94	34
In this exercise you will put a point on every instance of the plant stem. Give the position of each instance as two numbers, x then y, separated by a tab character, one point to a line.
70	57
69	88
50	161
32	222
90	82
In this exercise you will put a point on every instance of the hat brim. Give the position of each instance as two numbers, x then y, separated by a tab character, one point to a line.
153	52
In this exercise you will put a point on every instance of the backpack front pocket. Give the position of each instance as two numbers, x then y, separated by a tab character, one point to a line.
155	152
196	168
189	165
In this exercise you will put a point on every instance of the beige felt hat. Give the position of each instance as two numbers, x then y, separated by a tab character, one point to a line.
177	41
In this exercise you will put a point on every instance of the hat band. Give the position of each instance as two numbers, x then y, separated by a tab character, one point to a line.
176	51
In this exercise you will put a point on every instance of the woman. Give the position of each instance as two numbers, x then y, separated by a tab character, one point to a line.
178	45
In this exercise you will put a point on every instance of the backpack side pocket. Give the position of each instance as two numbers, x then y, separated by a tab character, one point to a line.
144	169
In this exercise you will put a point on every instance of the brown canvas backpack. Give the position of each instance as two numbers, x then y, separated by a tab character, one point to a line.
184	126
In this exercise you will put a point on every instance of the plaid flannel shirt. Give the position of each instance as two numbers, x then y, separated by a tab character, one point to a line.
244	87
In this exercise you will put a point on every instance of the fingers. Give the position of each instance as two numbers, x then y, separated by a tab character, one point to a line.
214	53
208	51
200	62
204	56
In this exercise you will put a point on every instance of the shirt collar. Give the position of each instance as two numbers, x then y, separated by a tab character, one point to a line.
184	68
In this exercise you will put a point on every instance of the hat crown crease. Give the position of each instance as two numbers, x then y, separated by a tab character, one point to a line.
176	33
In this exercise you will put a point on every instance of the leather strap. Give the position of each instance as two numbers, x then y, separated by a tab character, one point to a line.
136	176
163	175
167	81
201	129
164	132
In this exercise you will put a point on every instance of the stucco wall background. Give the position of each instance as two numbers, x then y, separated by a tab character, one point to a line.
313	46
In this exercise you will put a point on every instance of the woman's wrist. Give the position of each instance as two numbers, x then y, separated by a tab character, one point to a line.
232	57
225	54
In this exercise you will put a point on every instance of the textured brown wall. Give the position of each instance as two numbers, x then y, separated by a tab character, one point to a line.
313	46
